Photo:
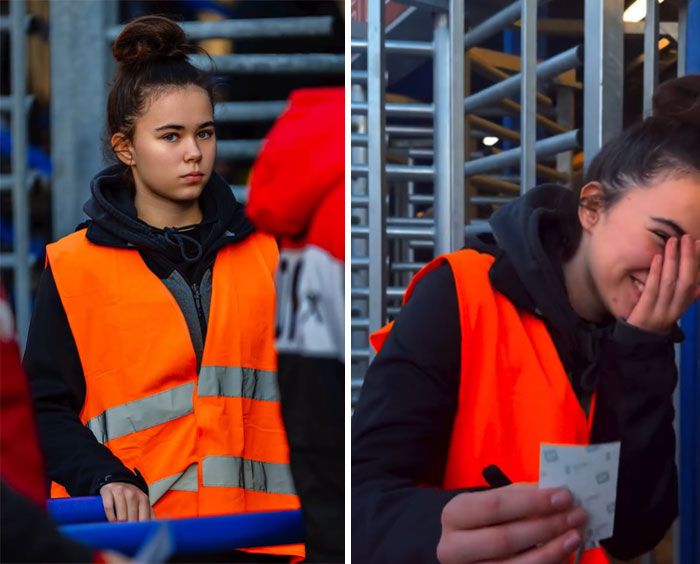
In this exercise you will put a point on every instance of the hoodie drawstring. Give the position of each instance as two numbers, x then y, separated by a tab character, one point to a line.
177	239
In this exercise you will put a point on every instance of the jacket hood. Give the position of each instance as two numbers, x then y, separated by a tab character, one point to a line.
535	234
114	222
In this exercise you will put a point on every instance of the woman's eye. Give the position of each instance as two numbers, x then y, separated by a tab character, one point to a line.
661	235
170	137
206	134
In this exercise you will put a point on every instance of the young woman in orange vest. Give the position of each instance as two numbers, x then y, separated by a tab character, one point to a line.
151	347
559	327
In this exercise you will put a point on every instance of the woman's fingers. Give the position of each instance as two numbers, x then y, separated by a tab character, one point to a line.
108	504
120	507
503	541
555	551
124	502
647	301
144	509
482	509
686	288
669	275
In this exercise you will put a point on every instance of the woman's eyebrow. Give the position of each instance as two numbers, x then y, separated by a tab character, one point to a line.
177	126
672	224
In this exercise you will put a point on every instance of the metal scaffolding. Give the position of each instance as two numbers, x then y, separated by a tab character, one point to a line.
419	183
18	182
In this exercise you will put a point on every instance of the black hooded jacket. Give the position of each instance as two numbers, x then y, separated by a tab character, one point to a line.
182	258
403	421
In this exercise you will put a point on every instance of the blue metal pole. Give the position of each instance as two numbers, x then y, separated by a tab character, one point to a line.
690	372
71	510
192	536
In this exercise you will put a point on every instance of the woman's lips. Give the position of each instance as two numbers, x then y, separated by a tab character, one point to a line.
194	177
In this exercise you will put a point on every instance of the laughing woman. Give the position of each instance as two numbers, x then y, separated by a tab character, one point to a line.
559	328
150	351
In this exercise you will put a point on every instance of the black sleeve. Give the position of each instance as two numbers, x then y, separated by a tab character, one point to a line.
635	406
73	456
29	534
401	429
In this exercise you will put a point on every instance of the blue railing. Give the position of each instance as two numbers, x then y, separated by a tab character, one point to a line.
83	520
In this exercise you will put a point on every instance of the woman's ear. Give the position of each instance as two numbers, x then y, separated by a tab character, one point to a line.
122	148
590	205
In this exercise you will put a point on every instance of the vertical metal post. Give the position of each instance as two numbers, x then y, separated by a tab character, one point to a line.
566	117
376	160
20	207
80	68
528	90
682	36
651	54
448	128
603	74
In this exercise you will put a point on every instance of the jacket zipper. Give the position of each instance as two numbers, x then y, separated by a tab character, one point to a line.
200	312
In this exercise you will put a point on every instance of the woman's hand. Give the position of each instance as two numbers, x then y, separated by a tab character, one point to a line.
518	524
125	502
671	286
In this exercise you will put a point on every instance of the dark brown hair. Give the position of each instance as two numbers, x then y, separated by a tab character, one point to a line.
151	52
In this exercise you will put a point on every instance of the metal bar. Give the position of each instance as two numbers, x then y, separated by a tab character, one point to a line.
413	172
196	535
492	127
391	292
7	103
376	122
239	149
490	27
603	74
70	510
249	111
496	183
448	125
251	28
651	55
528	92
409	130
20	204
272	63
78	102
542	120
398	47
543	148
571	58
394	231
682	36
394	110
358	76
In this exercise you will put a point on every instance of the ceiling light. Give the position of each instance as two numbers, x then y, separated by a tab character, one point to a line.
490	140
636	12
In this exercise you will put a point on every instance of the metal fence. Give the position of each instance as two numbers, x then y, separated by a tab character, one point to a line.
17	105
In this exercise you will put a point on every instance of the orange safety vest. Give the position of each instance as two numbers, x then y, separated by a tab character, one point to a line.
514	392
207	443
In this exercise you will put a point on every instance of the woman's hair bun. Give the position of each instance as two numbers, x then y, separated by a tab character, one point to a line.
678	100
151	37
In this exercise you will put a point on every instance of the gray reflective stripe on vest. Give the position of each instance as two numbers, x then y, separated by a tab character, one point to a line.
237	382
185	481
235	472
143	413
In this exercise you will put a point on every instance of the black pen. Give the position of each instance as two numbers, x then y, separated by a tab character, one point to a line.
495	477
